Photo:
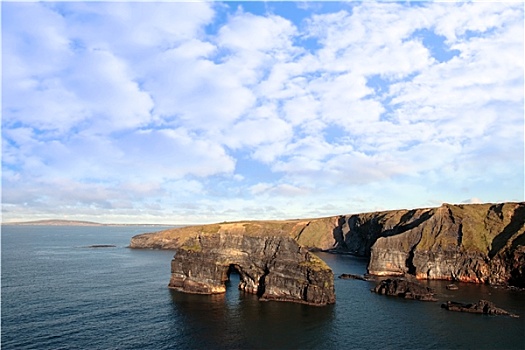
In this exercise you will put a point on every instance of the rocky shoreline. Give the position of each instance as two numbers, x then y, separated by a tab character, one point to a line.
411	289
475	243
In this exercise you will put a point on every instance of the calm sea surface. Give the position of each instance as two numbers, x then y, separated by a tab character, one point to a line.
59	294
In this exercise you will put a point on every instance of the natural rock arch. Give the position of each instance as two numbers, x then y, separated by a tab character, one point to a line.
246	281
274	267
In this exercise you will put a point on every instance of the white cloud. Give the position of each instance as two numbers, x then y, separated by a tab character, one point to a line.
109	96
301	110
280	190
148	109
454	21
136	28
253	132
245	31
473	200
202	94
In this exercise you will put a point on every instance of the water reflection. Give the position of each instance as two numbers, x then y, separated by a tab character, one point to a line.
359	319
239	320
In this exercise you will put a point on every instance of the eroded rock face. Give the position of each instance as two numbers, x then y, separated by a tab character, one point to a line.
274	267
471	243
480	243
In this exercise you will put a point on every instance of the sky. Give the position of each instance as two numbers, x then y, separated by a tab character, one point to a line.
201	112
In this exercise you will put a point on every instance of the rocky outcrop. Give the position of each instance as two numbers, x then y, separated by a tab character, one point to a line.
481	307
404	288
480	243
468	243
270	264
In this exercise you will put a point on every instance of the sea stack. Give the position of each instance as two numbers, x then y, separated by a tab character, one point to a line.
270	264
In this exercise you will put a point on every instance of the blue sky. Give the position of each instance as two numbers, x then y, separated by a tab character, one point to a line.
197	112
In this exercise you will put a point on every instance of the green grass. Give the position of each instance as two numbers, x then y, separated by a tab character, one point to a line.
316	233
192	246
315	264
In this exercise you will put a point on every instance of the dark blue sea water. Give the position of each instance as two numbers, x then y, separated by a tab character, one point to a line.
58	294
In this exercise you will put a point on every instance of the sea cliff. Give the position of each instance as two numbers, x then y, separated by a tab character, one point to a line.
271	264
480	243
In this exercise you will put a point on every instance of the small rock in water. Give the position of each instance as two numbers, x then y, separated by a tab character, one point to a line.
351	276
481	307
102	246
401	287
452	286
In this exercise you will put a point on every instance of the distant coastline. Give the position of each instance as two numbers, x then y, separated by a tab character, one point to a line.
56	222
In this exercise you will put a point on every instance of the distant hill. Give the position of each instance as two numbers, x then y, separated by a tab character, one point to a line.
55	222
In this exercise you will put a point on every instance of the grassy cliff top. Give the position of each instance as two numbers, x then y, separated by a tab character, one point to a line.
479	227
250	228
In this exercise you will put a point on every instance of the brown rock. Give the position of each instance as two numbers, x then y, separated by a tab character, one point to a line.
274	267
351	276
481	307
401	287
452	286
479	243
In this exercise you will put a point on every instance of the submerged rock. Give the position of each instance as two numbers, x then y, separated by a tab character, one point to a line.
101	246
271	265
481	307
452	286
351	276
401	287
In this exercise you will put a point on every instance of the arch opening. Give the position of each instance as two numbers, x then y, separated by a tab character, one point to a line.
234	273
232	277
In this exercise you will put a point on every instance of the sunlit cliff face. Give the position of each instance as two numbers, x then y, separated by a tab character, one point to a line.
272	267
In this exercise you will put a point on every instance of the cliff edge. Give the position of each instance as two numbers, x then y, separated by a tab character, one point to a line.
480	243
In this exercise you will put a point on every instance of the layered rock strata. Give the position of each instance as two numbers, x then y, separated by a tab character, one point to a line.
272	266
481	243
468	243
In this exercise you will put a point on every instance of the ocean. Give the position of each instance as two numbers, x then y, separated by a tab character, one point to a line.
59	294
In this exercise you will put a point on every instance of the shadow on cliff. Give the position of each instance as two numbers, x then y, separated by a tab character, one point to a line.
516	223
356	235
405	223
338	235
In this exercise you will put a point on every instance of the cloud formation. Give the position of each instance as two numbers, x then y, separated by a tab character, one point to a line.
199	112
